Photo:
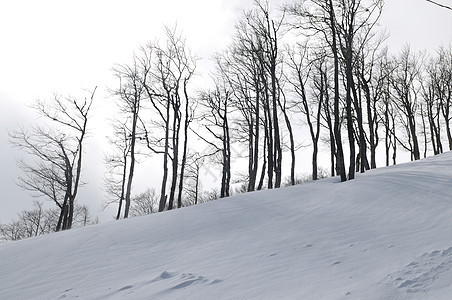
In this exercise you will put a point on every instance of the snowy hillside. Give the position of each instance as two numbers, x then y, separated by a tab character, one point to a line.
385	235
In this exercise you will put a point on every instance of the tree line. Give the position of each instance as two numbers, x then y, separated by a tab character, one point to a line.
320	63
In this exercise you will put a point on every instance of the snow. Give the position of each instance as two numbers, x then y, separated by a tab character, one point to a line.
385	235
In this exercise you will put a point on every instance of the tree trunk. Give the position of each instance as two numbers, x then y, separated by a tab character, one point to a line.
329	122
226	177
184	154
446	112
251	174
132	160
269	135
340	164
175	160
123	182
163	196
264	164
277	144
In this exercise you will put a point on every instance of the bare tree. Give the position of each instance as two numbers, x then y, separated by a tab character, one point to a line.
38	221
130	94
171	70
82	216
441	76
405	87
372	82
34	222
117	164
144	203
355	21
57	149
239	72
252	67
300	81
216	121
268	32
345	26
192	187
318	18
431	109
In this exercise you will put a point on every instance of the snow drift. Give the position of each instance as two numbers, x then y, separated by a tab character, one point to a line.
385	235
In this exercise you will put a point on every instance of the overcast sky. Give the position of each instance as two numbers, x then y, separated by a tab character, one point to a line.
66	46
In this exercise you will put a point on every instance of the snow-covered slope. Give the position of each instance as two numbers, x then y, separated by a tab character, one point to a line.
385	235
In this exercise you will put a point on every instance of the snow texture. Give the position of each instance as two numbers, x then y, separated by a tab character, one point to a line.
385	235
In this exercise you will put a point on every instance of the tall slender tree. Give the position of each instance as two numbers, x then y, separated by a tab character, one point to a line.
129	95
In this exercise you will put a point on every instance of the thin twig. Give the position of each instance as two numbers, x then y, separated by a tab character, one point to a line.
439	4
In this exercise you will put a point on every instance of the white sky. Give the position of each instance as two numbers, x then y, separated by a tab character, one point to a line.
65	46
